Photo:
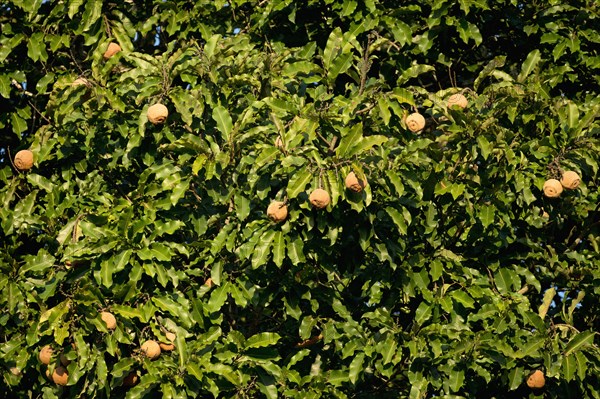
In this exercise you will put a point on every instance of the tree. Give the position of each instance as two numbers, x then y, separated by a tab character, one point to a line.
446	273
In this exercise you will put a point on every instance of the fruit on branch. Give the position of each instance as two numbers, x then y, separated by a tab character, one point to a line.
46	354
151	349
112	49
277	211
457	100
131	379
536	380
109	319
570	180
168	346
353	183
552	188
319	198
24	160
157	114
415	122
60	376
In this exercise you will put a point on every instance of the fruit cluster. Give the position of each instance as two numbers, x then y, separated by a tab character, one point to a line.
569	180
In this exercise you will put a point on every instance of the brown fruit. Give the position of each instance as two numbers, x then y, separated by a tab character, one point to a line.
60	376
552	188
24	160
46	354
170	338
536	380
457	100
109	319
415	122
166	347
319	198
570	180
277	211
131	379
157	114
63	360
353	183
151	349
113	48
15	371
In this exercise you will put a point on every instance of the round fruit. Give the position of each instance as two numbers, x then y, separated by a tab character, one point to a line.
457	100
151	349
46	354
353	183
415	122
131	379
319	198
24	160
109	319
277	211
157	114
570	180
15	371
60	376
63	360
113	48
552	188
536	380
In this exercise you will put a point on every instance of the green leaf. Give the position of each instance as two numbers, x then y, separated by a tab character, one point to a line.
533	58
262	339
356	367
350	139
569	367
398	219
515	378
278	248
486	215
224	123
298	182
579	341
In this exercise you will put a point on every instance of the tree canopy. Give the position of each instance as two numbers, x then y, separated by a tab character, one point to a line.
181	250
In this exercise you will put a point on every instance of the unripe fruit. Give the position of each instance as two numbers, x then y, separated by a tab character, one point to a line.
277	211
24	160
46	354
415	122
570	180
319	198
353	183
536	380
60	376
458	100
131	379
113	48
151	349
109	319
157	114
552	188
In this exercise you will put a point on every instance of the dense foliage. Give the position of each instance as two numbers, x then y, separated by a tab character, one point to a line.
450	275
